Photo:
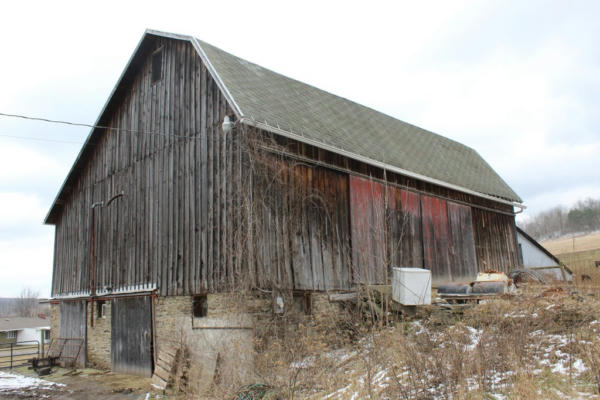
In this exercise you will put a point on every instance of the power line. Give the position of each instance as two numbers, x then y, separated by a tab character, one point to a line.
40	139
55	121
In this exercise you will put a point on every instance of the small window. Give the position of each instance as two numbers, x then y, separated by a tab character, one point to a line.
303	302
200	306
47	335
101	308
11	334
157	66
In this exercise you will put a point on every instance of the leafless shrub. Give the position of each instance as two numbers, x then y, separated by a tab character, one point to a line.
27	303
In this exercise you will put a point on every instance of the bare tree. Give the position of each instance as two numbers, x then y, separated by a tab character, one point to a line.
27	303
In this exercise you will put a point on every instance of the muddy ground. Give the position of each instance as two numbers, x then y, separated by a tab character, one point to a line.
80	385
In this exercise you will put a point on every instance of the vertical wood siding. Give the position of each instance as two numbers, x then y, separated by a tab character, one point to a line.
179	226
301	233
367	205
73	325
436	238
462	254
131	336
404	228
495	240
163	230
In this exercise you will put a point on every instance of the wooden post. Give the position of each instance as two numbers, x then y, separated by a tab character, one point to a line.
42	332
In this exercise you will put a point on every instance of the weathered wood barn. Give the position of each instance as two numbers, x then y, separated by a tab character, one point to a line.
208	174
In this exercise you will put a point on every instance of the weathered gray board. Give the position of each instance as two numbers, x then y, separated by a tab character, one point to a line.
73	326
131	336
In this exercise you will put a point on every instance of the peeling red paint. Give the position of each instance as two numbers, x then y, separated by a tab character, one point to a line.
436	237
367	211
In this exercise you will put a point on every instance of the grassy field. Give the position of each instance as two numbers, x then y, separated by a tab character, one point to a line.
575	244
579	254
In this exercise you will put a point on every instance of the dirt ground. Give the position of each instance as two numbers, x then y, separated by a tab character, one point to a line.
81	384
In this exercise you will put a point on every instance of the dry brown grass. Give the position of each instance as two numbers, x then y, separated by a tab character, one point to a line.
574	244
540	344
583	263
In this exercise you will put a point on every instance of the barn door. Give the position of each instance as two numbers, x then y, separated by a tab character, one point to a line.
73	328
367	218
403	224
131	335
436	238
464	261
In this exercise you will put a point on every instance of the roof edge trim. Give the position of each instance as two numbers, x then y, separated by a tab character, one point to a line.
216	76
198	47
194	42
379	164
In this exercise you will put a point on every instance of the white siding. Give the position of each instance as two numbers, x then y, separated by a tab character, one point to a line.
532	255
28	334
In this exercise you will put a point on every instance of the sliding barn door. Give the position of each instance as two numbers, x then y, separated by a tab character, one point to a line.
367	215
131	336
462	254
73	329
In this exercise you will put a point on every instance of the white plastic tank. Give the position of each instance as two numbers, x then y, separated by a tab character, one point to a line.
411	286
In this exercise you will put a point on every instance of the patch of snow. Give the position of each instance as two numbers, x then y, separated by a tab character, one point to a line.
10	382
340	355
418	327
307	362
475	336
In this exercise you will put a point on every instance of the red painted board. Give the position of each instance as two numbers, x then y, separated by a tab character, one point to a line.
403	223
436	243
463	259
367	214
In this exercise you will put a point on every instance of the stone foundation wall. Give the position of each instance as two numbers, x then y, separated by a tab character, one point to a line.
98	337
54	321
222	340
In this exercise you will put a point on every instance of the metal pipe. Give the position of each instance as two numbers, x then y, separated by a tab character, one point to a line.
93	251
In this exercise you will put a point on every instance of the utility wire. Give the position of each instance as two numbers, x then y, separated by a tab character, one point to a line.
40	139
55	121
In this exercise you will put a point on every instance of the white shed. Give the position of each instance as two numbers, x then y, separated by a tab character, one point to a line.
535	256
20	329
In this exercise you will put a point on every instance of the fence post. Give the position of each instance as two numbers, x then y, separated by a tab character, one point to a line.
11	356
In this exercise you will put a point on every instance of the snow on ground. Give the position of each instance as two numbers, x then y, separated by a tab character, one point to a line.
553	356
15	384
10	381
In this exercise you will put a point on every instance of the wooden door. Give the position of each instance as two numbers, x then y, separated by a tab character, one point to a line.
436	238
462	255
367	219
131	336
73	329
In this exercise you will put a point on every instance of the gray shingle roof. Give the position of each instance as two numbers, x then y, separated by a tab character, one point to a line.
18	323
272	99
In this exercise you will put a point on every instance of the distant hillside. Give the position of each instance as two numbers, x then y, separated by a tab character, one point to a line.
23	307
8	306
573	244
558	222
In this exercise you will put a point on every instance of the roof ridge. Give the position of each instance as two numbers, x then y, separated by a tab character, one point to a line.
427	131
255	83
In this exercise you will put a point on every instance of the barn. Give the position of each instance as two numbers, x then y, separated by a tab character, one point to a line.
207	175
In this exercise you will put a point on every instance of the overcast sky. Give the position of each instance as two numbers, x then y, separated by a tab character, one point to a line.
518	81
